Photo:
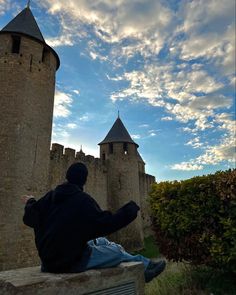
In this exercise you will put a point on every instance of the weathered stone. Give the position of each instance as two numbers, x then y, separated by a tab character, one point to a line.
28	281
27	85
27	97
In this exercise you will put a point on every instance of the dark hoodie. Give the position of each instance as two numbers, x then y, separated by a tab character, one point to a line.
65	219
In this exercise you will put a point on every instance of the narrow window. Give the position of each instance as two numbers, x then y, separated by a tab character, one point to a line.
46	56
125	148
16	40
103	157
111	148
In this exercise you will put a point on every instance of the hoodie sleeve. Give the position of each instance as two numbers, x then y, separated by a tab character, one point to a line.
31	215
104	222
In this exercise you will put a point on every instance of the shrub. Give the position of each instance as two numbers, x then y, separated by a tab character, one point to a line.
195	219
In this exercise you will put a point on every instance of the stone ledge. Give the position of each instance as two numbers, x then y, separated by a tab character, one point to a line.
127	278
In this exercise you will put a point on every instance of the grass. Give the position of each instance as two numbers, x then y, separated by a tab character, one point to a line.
214	281
184	279
150	248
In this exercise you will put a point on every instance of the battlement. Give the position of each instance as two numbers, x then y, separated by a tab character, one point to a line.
60	160
59	153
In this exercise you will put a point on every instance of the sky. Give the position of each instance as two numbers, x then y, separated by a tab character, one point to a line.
167	66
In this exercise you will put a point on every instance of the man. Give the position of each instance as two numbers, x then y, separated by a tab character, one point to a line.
69	226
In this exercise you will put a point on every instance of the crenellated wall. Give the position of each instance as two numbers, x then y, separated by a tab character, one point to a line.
61	159
111	192
145	183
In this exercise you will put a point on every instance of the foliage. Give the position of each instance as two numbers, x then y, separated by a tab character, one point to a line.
150	248
172	281
195	219
184	279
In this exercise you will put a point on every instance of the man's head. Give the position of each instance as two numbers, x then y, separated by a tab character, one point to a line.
77	174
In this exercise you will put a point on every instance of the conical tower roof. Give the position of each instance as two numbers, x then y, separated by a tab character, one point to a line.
118	133
24	23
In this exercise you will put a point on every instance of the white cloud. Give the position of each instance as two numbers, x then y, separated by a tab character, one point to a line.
63	40
213	155
76	91
147	23
62	104
167	118
144	126
59	133
186	166
157	84
4	5
196	29
202	32
85	118
212	101
195	143
95	55
135	136
187	129
71	125
209	32
152	134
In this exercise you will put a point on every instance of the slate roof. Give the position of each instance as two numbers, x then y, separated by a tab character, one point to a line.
118	133
26	24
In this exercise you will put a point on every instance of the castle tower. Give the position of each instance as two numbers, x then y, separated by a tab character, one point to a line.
27	83
122	159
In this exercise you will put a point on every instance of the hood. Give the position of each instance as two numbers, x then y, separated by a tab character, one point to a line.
64	191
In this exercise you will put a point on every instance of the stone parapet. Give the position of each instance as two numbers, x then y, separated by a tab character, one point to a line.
125	279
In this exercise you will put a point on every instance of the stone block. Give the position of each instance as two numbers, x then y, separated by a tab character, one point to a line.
125	279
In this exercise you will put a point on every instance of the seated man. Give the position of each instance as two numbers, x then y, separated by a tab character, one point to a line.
69	226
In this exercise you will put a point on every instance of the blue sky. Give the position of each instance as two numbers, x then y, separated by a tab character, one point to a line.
167	66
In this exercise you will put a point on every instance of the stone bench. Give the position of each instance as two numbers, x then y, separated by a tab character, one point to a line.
125	279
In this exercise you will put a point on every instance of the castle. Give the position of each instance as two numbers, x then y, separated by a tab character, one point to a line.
27	165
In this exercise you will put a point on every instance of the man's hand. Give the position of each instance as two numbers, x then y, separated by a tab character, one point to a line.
25	198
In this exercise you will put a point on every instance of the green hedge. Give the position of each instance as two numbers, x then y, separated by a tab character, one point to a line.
195	219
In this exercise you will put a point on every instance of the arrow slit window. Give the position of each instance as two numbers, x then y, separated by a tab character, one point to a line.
16	40
125	148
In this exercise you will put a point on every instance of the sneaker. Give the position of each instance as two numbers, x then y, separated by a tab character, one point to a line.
154	269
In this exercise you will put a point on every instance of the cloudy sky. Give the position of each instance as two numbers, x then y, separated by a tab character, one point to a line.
167	66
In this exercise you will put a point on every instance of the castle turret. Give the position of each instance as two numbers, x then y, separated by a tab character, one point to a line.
27	83
120	154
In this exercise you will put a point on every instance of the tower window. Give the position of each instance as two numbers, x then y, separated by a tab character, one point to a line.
111	148
103	157
125	148
16	40
46	55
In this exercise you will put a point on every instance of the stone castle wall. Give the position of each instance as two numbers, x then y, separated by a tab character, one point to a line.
111	183
28	167
123	186
61	159
145	183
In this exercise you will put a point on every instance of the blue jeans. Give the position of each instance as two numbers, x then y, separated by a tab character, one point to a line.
108	254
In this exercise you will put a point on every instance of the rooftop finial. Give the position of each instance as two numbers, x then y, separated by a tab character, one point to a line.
118	114
28	4
81	148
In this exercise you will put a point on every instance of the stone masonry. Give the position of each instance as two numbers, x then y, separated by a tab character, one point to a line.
126	279
27	166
